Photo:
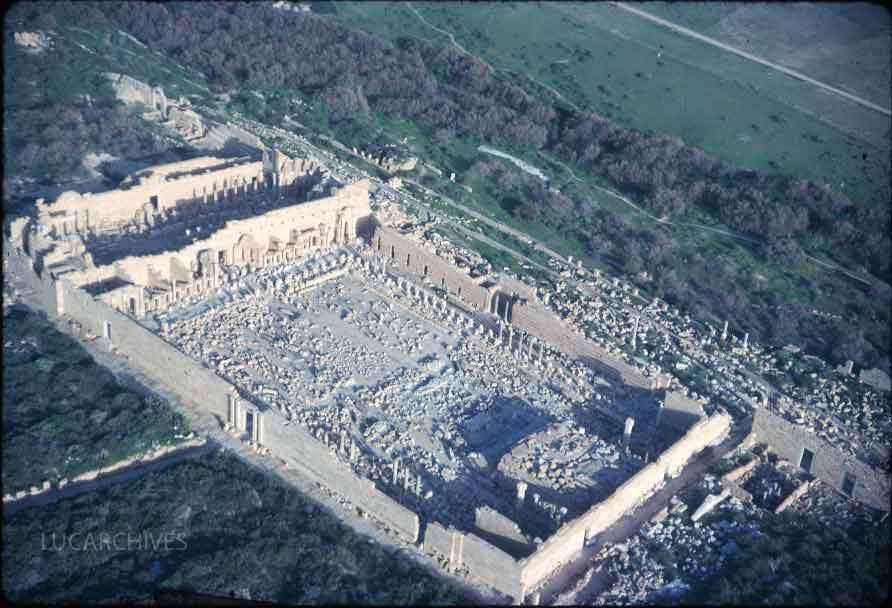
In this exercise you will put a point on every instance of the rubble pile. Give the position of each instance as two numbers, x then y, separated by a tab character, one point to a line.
672	553
399	384
567	459
732	371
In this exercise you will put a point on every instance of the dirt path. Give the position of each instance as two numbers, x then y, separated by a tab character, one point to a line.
725	47
444	32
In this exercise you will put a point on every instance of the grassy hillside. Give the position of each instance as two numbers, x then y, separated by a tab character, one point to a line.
606	61
851	50
57	107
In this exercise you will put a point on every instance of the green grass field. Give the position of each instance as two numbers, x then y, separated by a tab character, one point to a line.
605	60
851	51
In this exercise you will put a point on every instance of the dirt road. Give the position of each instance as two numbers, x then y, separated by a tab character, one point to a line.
712	41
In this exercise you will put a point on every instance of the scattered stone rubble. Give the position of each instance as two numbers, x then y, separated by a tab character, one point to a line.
726	367
697	551
395	380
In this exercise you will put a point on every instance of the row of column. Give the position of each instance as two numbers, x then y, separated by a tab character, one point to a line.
238	418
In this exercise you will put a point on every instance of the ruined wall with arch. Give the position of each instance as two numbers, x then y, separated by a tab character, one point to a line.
275	237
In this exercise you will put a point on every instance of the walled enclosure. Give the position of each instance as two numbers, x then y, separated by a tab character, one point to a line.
563	546
273	238
829	464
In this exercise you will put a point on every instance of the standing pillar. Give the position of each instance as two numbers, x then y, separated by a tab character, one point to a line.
725	332
541	348
627	431
521	491
396	471
635	334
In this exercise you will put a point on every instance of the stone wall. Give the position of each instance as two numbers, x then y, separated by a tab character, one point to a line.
680	411
484	562
830	464
20	264
561	548
148	353
439	541
297	446
491	565
502	531
410	257
533	317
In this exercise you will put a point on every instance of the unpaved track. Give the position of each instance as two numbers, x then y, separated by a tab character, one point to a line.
712	41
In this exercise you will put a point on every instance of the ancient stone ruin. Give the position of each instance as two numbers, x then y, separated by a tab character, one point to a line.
458	411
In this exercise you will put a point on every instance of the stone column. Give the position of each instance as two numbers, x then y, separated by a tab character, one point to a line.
627	431
521	491
725	332
635	334
396	471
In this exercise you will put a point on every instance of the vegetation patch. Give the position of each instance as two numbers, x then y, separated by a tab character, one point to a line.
64	414
212	525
